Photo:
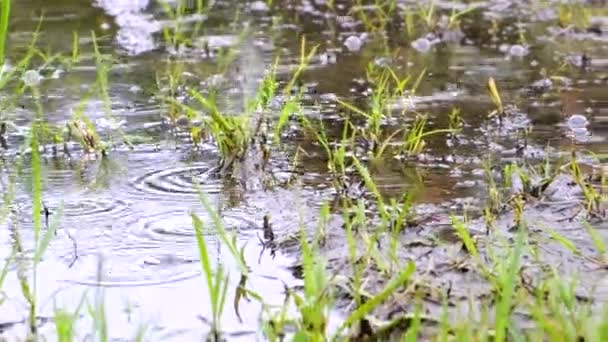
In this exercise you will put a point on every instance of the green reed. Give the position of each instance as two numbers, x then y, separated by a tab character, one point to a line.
5	16
217	284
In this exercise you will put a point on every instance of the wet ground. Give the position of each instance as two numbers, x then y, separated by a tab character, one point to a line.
132	208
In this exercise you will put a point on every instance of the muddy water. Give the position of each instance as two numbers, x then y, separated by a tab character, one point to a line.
130	212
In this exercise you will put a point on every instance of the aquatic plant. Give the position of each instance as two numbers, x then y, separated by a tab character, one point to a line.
337	162
456	121
217	284
103	63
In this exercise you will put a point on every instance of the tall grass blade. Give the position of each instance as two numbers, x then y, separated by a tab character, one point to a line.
203	252
495	95
508	280
5	15
463	233
598	241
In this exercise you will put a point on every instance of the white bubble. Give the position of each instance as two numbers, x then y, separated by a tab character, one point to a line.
259	6
32	78
421	45
353	43
327	58
518	50
577	121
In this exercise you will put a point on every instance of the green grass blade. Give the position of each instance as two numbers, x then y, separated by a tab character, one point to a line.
202	250
5	15
509	281
597	239
494	94
463	233
564	241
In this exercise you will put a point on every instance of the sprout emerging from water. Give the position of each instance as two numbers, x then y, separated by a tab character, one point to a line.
32	78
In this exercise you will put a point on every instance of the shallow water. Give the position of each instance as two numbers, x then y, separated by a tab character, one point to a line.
132	209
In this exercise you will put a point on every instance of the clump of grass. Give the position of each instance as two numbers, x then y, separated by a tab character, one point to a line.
456	122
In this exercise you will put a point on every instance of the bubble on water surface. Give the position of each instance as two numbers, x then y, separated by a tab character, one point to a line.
353	43
577	121
32	78
421	45
259	6
327	58
518	50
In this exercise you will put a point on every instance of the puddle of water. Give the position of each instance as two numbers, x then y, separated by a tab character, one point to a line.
133	207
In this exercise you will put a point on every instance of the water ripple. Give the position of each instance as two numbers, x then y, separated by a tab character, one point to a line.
177	183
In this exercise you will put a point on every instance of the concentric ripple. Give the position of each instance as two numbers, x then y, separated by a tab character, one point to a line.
147	250
79	213
174	229
177	183
115	264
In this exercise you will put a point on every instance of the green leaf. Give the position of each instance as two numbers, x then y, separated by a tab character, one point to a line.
494	94
598	241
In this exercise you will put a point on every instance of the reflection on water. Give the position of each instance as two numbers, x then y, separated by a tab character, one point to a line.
133	208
